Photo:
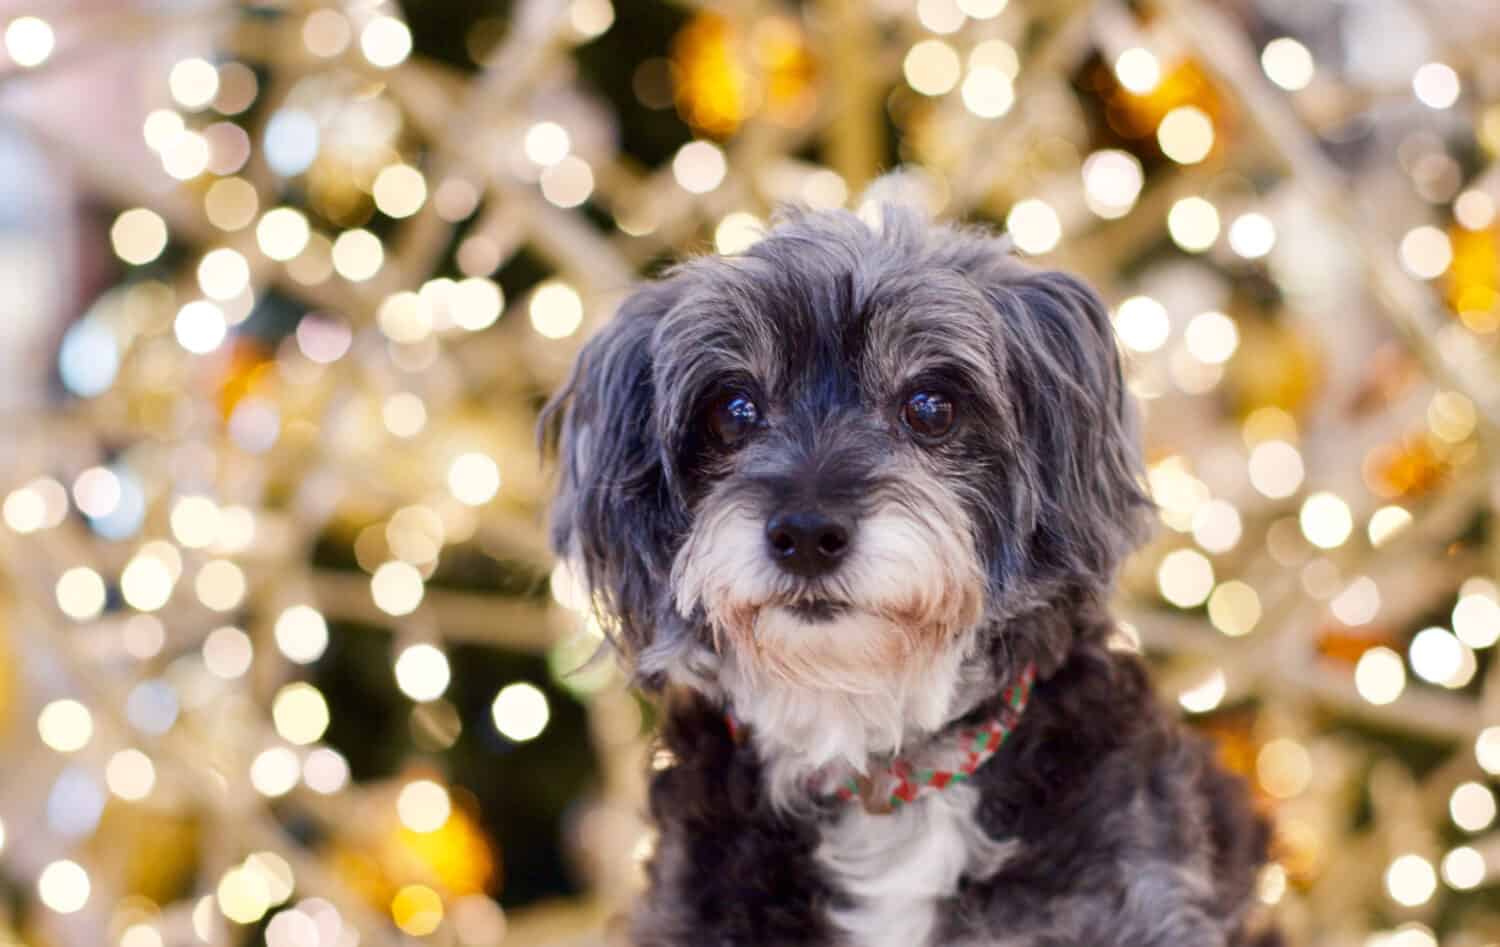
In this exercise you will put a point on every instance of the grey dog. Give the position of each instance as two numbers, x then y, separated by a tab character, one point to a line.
852	503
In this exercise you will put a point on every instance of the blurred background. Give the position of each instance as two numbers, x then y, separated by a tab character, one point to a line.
283	658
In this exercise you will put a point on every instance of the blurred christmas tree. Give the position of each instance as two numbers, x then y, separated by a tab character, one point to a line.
283	658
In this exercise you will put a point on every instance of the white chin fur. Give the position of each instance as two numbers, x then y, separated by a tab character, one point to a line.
884	670
803	728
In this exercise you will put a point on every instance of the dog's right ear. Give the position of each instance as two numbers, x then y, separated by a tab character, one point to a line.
614	515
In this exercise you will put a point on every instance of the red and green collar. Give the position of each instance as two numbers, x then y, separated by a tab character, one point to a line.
941	763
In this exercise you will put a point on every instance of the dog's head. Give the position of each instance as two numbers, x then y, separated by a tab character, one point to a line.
853	451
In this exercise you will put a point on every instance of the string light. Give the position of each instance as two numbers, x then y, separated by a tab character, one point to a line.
422	672
473	478
570	181
1464	868
1410	880
300	713
141	935
1185	577
556	310
1211	337
97	492
931	67
325	771
1380	676
1474	210
139	236
699	167
1358	603
982	9
1234	608
737	232
397	588
591	18
1193	224
1206	696
1436	85
80	593
24	510
399	190
520	712
1287	63
940	16
326	33
547	143
358	255
1275	469
282	233
423	806
130	775
1476	620
1252	235
274	772
1112	181
29	41
1141	323
227	653
186	157
64	886
1284	768
1386	523
1216	526
1034	226
1426	252
987	92
223	274
385	42
1138	70
231	204
1186	134
243	895
200	327
417	910
1436	655
194	83
301	634
1472	806
404	414
65	725
1326	520
146	583
238	88
220	585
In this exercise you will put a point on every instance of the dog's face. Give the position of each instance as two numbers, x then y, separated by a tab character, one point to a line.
846	454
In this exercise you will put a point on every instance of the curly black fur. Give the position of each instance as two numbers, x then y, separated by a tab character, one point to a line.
1109	796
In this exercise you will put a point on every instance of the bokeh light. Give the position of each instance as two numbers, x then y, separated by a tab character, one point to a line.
422	671
520	712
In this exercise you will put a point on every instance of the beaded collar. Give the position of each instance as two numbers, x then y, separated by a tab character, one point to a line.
891	785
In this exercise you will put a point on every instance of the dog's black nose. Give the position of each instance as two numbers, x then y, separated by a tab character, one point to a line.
806	543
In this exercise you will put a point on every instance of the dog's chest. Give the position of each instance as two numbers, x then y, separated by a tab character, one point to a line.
897	868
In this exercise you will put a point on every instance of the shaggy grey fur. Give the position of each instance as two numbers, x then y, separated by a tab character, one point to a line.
1126	832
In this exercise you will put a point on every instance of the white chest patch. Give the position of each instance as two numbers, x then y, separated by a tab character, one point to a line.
897	867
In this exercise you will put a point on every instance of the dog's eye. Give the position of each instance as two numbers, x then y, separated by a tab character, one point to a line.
928	414
732	418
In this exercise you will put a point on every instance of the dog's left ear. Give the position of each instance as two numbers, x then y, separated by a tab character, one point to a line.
1079	426
614	514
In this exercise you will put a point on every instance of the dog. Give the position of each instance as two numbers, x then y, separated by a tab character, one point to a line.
851	503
